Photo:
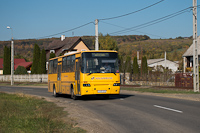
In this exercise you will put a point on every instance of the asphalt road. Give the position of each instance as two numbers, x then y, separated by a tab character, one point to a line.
129	113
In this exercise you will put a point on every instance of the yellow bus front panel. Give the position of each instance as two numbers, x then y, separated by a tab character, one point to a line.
100	84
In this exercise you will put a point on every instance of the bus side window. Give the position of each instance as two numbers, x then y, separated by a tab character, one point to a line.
73	63
55	64
68	63
51	67
64	64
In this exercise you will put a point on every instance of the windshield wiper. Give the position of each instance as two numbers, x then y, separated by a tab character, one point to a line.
89	74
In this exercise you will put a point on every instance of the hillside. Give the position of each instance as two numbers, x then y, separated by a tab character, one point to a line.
24	48
155	48
128	45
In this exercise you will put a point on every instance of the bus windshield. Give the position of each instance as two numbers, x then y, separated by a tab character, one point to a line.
99	62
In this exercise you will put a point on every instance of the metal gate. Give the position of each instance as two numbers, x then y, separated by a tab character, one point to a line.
184	80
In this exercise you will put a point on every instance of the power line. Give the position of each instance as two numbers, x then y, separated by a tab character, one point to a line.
132	12
136	28
133	30
102	19
152	22
66	30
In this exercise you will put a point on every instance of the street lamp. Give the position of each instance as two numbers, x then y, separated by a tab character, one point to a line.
12	56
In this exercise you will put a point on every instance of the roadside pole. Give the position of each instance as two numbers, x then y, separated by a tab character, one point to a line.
96	35
195	50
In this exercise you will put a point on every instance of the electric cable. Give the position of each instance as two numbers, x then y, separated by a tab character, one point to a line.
66	30
102	19
134	30
132	12
153	21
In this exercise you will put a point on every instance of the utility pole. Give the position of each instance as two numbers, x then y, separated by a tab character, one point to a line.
195	49
12	56
12	62
96	35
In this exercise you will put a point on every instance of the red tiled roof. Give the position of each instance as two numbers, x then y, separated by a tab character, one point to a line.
1	63
17	62
24	64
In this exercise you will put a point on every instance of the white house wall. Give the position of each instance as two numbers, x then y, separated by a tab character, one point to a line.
171	65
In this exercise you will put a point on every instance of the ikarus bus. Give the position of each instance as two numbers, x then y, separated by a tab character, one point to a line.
85	73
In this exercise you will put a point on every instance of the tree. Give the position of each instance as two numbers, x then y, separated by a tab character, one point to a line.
124	65
128	67
135	66
144	65
43	62
7	61
36	60
107	43
52	55
21	70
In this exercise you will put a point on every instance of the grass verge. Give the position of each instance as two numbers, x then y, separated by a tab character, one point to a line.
24	84
161	90
20	113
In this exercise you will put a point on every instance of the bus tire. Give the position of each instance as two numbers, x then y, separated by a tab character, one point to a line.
54	92
73	96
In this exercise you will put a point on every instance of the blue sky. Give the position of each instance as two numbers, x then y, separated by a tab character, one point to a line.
39	18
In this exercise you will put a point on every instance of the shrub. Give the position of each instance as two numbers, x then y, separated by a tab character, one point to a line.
21	70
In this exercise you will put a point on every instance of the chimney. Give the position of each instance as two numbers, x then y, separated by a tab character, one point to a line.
62	37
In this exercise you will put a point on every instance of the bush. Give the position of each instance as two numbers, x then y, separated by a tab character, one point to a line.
21	70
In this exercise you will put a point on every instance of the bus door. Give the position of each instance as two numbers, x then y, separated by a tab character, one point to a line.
77	76
59	79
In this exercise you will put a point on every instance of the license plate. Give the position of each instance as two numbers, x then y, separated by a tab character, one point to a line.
101	91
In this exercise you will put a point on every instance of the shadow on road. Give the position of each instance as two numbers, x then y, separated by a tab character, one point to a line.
98	97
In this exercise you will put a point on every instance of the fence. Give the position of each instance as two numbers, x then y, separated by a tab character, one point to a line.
159	79
152	79
179	80
25	78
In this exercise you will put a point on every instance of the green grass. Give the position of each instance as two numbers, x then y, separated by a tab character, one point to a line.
23	84
157	90
24	114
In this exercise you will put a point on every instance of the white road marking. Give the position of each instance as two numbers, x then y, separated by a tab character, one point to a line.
121	99
178	111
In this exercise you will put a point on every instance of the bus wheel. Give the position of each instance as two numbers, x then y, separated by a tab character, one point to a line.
54	93
73	96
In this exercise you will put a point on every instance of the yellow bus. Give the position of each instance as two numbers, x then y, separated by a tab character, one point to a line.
84	73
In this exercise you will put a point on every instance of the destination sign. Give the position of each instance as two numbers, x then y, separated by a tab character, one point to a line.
100	54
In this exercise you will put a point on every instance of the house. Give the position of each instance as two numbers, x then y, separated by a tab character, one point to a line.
17	62
155	63
1	66
65	45
167	64
188	56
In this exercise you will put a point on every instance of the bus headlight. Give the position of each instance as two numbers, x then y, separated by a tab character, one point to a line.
116	84
86	85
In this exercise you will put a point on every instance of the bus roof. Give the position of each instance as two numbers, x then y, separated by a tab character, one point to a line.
76	52
99	51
